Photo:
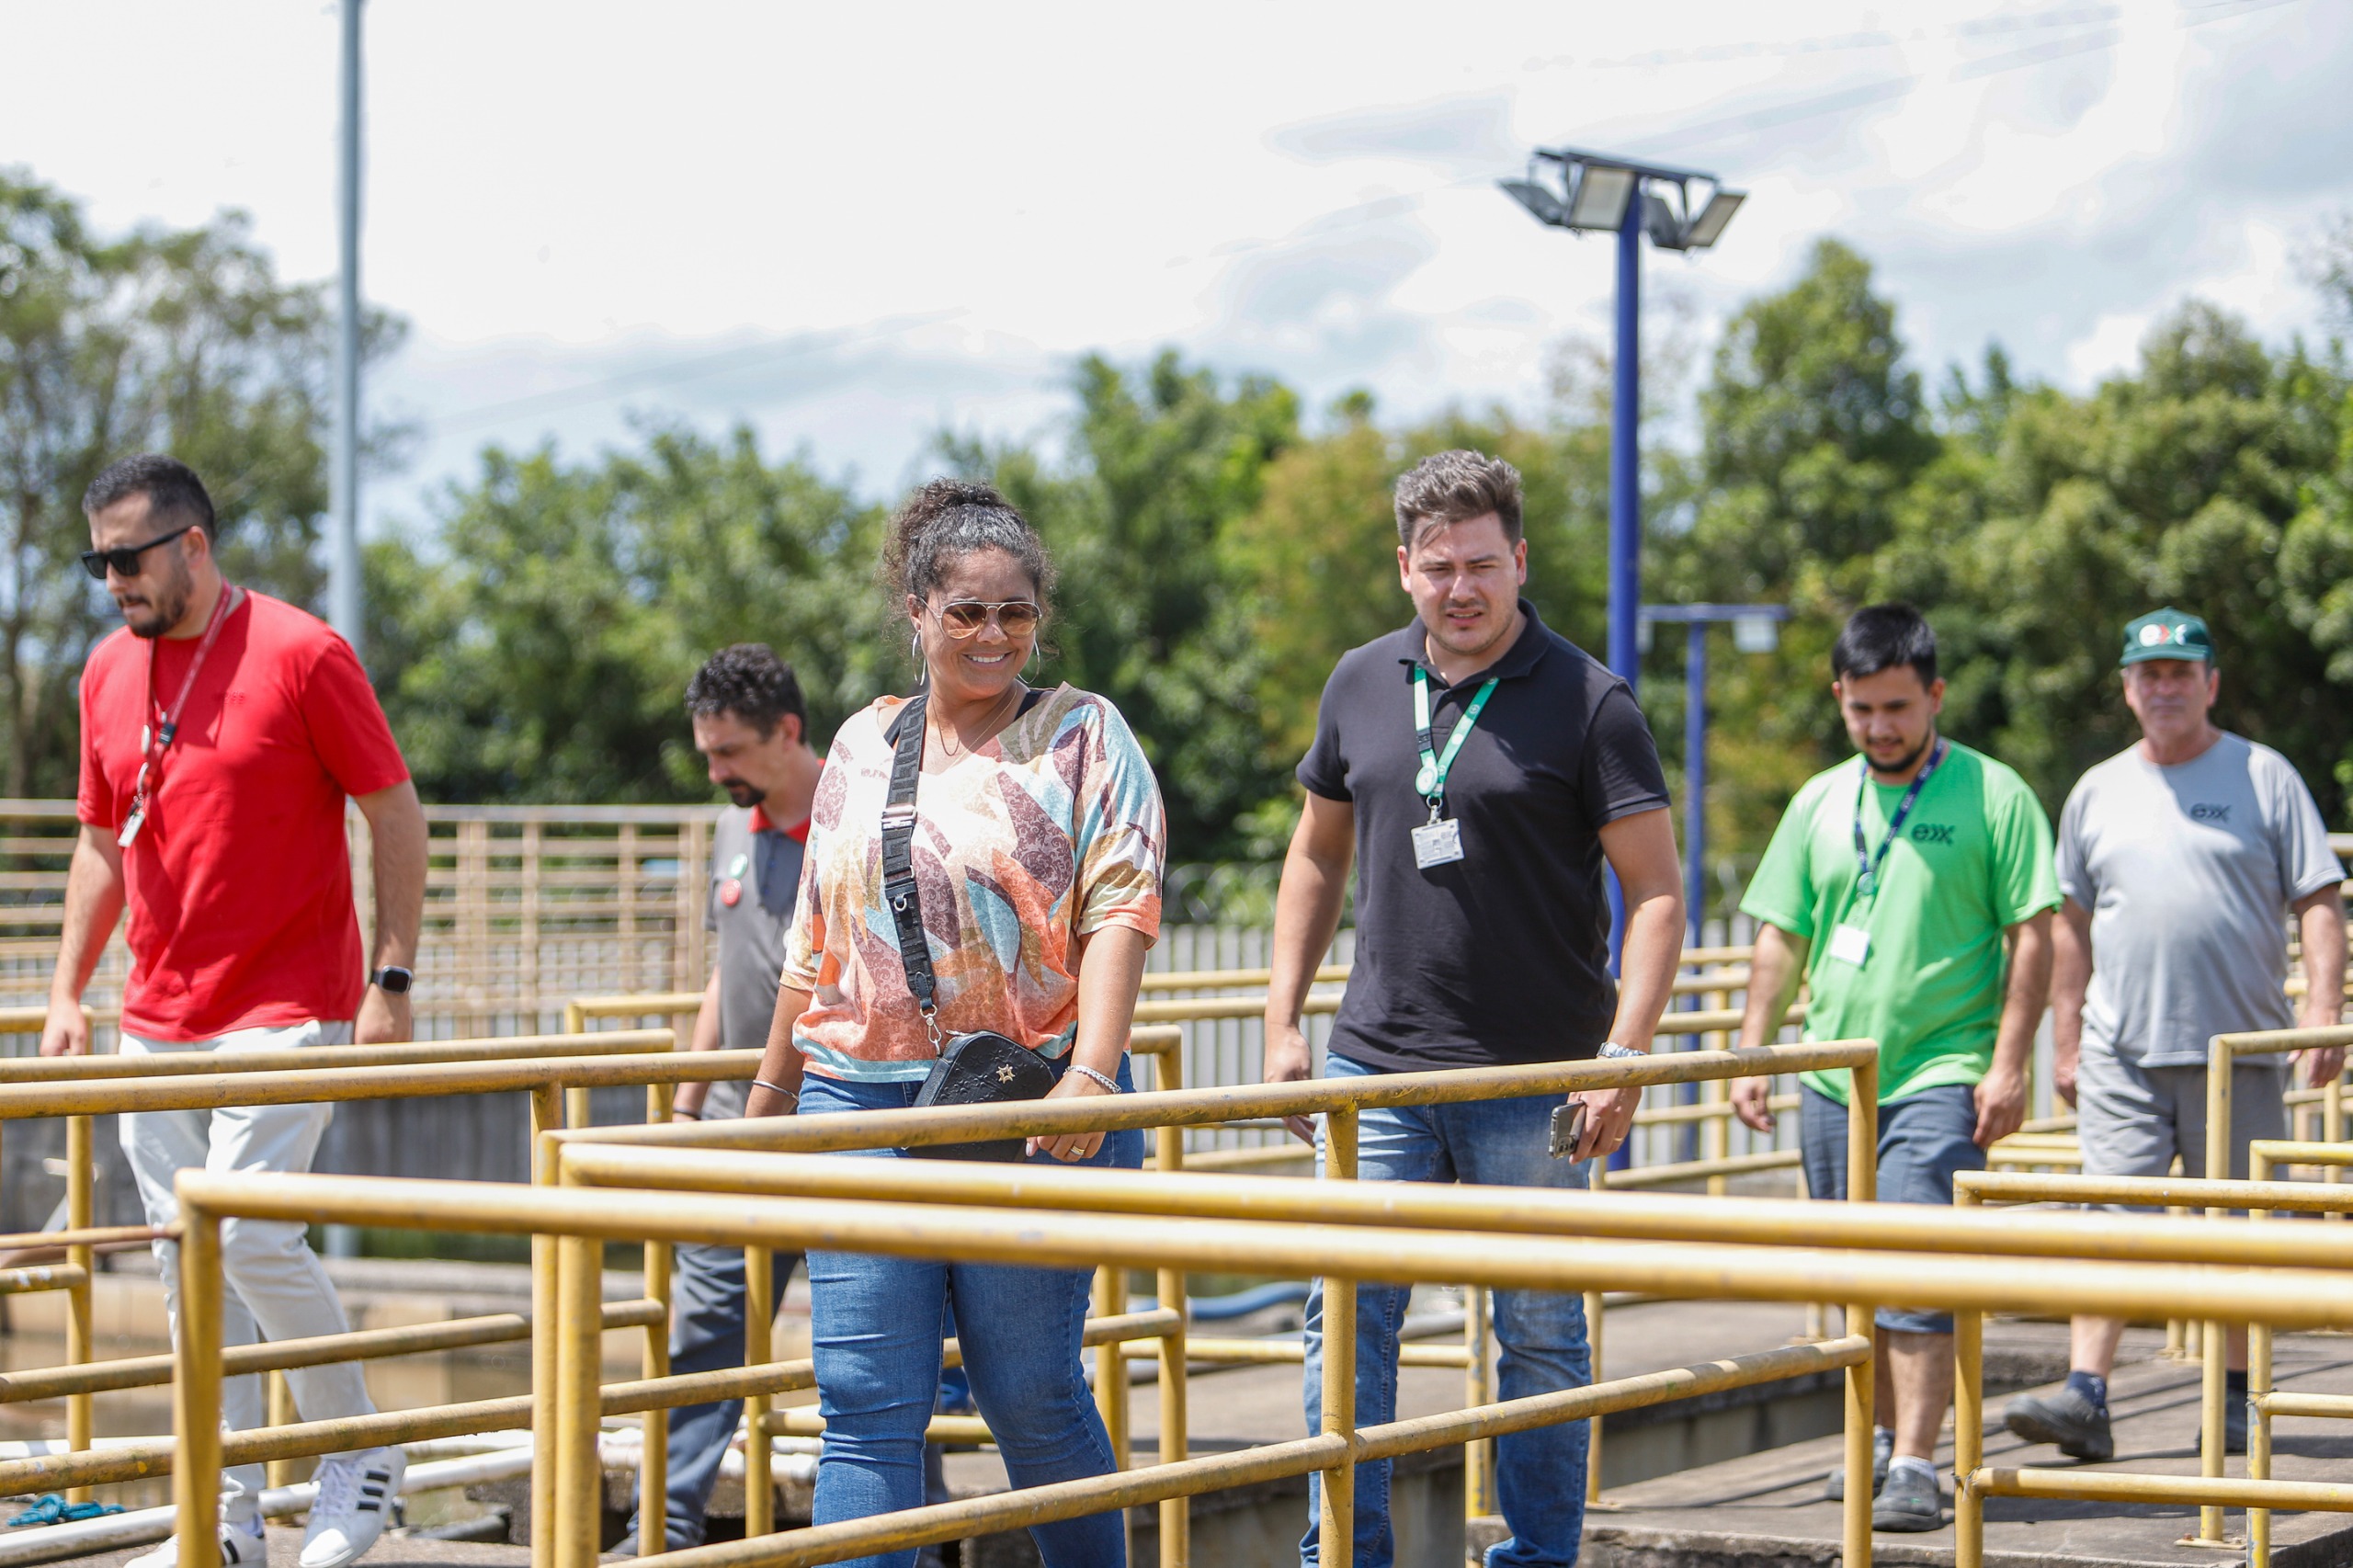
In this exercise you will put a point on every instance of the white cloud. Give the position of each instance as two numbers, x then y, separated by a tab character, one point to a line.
604	197
2111	347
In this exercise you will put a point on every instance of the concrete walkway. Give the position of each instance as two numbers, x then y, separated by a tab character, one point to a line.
1769	1508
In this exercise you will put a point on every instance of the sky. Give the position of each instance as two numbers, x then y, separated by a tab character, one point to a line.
855	227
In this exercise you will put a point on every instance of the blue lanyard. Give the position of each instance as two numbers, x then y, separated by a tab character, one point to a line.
1867	865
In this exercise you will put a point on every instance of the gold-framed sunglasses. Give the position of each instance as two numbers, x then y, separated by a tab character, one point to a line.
964	617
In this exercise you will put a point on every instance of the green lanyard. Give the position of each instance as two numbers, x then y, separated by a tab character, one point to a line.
1430	783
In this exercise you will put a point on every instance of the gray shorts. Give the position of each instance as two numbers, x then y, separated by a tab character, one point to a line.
2133	1120
1924	1138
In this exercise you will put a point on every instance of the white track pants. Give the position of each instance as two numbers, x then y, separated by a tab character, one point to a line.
277	1286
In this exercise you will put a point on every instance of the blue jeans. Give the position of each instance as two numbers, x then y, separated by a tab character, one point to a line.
876	1324
1539	1474
1924	1138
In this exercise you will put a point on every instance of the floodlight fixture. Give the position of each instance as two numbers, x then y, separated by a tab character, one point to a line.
1597	197
1709	226
1547	207
1595	193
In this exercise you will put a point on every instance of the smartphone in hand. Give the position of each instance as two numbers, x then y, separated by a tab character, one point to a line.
1568	1126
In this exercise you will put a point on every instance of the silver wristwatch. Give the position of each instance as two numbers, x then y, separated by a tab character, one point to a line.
1611	1050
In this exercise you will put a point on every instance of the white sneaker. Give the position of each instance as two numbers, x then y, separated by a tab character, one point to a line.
239	1544
353	1504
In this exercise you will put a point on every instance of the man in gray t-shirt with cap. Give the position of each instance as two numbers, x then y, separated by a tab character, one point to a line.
2182	860
752	730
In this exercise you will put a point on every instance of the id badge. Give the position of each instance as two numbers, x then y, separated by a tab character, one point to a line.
1438	843
1850	944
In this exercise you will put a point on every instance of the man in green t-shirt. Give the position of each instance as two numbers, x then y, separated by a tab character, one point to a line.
1903	886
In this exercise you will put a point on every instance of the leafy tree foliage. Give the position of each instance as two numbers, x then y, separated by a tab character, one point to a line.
1165	464
542	650
181	341
1219	548
2030	525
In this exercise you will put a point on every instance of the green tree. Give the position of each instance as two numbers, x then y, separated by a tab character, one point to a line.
1164	462
1812	425
2176	485
2028	524
184	341
541	648
1317	559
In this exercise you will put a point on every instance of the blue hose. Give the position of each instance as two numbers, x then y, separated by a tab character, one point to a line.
51	1508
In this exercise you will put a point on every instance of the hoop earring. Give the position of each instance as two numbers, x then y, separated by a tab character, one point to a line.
915	646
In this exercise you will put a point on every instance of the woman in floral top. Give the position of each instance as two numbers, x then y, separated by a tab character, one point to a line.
1039	847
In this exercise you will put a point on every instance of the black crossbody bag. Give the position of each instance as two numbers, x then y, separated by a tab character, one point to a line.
981	1066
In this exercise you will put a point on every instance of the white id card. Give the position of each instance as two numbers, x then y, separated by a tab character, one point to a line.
1438	843
1850	944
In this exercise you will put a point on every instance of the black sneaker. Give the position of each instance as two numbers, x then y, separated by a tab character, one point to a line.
2068	1418
1833	1485
1909	1502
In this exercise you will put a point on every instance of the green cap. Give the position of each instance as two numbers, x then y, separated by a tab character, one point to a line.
2167	634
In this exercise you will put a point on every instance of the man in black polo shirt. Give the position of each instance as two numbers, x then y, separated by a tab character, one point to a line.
1479	771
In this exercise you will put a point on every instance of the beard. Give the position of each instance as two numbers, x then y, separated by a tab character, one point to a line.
1904	763
744	794
166	602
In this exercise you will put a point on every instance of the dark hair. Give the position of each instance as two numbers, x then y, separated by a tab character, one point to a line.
1454	487
749	681
950	518
170	485
1881	637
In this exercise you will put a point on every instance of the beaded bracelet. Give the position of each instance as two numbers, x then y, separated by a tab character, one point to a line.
1108	1083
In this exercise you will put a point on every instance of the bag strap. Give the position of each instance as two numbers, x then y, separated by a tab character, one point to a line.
899	888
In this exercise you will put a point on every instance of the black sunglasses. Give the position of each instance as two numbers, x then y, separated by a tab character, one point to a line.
124	559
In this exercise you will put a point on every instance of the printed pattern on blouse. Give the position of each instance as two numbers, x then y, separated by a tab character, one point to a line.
1048	833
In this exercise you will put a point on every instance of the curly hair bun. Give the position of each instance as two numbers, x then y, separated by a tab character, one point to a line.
950	518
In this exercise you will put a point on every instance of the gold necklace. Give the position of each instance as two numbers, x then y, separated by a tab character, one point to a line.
950	751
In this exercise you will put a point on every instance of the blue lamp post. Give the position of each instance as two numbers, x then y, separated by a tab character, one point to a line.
1755	629
1599	193
1595	192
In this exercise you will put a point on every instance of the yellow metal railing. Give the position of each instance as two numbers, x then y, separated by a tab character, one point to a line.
1167	1109
1741	1249
581	1011
1156	1019
2211	1489
550	1068
1251	1102
558	1070
2264	1402
2223	1054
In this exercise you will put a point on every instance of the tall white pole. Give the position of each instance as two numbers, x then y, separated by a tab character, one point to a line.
343	574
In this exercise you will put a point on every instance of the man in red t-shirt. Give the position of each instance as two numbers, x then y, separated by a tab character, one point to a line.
221	731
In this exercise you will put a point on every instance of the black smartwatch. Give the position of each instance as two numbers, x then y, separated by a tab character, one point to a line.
392	979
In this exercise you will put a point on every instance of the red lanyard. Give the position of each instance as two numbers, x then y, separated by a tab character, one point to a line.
155	740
